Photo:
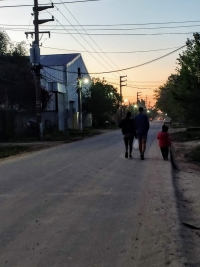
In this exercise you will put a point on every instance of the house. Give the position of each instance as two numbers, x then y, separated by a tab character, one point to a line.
59	75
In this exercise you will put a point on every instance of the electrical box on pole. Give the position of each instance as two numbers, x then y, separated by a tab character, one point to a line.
35	55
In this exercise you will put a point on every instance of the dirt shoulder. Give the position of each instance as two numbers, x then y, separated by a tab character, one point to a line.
186	180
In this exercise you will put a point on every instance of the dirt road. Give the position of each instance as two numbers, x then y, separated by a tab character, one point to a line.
84	205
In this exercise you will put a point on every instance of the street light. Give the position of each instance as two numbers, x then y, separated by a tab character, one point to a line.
124	106
85	80
135	107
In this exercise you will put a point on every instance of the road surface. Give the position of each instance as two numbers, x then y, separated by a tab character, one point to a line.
84	205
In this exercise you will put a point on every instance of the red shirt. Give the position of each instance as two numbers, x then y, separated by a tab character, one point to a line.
164	139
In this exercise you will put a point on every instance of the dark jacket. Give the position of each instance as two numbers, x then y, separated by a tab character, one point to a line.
141	123
127	126
164	139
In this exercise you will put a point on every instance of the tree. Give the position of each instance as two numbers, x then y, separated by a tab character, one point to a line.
4	43
17	85
179	97
102	100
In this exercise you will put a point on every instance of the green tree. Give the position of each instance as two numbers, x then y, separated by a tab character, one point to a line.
102	100
4	43
179	97
17	85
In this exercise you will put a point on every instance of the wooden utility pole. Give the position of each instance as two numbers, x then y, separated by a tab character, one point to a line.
121	85
138	94
35	61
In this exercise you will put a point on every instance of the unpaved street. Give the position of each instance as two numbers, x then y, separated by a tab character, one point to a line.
84	205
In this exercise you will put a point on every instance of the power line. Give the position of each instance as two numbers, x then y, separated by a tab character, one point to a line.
127	34
92	40
109	34
78	41
100	29
77	1
116	52
140	65
55	78
114	25
148	62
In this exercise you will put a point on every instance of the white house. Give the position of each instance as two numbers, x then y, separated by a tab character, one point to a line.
59	75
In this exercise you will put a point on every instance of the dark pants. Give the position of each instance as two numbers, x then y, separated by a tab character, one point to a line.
128	141
165	152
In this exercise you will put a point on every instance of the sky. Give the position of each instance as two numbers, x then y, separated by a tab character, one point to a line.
115	38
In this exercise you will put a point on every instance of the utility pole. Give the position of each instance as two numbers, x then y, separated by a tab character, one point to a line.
138	94
121	85
35	61
146	104
79	91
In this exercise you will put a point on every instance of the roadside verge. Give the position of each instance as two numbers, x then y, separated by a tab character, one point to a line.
186	178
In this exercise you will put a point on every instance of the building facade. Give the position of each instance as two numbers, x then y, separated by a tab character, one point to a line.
59	75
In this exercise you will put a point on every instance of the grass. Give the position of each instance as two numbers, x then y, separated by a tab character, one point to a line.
69	136
194	154
178	125
7	150
185	136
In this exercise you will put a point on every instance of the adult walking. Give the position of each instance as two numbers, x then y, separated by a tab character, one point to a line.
128	130
141	123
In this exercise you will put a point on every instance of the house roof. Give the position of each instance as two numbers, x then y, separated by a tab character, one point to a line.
57	60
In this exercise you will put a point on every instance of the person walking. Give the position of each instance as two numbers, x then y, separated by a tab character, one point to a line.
128	130
164	141
141	123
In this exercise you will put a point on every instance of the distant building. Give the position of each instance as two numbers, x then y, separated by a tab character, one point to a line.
59	76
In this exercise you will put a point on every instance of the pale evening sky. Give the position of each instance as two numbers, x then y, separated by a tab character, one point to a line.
126	34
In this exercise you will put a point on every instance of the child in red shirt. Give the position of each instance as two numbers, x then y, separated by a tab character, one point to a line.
164	142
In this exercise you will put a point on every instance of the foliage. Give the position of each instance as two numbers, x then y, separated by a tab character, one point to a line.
179	97
102	100
4	43
17	84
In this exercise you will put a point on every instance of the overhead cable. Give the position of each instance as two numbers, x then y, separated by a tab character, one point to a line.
140	65
114	25
127	34
76	1
114	52
78	40
100	29
92	40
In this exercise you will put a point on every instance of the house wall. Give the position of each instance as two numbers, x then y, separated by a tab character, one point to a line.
62	82
54	80
72	75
